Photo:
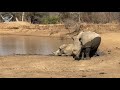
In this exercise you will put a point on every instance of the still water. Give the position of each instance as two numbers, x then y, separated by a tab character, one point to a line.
12	45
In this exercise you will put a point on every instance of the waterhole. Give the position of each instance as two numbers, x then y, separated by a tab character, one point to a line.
13	45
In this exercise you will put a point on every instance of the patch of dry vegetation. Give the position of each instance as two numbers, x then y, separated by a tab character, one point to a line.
59	30
100	28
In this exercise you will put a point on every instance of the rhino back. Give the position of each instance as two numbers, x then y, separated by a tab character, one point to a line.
87	37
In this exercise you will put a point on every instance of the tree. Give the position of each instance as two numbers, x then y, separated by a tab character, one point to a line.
23	16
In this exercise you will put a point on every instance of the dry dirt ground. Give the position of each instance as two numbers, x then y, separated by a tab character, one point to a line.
37	66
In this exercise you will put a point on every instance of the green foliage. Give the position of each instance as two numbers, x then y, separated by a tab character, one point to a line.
50	20
63	17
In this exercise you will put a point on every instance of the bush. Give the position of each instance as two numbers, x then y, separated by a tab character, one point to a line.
50	20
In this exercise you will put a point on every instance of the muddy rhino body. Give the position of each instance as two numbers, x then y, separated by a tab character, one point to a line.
86	44
64	50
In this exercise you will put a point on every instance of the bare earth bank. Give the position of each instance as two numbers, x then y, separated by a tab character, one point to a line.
32	66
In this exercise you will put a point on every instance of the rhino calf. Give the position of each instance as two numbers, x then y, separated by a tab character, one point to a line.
64	50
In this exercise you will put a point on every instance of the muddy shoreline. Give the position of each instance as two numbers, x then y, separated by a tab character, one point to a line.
41	66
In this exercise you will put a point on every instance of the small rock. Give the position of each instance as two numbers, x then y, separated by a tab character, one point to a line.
102	73
109	50
83	75
117	48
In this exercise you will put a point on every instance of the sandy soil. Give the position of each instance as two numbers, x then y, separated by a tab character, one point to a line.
37	66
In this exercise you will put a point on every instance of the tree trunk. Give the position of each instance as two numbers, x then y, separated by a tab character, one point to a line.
16	19
23	16
79	18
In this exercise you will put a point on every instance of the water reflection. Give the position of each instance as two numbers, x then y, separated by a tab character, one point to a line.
20	46
10	45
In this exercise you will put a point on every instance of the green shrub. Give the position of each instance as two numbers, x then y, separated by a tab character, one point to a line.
50	20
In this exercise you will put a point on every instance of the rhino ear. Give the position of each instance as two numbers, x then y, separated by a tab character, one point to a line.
59	48
81	42
72	38
79	39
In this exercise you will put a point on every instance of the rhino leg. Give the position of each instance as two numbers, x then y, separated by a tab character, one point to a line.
94	53
87	53
98	53
95	44
82	54
77	57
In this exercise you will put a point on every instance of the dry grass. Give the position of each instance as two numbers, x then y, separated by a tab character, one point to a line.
100	28
59	30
